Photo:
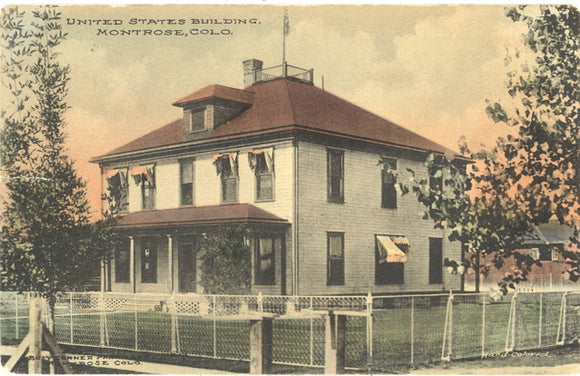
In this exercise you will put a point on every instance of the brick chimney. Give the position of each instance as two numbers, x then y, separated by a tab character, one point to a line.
250	68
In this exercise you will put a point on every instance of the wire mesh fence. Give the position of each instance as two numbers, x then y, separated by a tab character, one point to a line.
382	332
14	318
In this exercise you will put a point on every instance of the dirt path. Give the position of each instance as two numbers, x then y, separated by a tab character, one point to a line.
565	369
556	361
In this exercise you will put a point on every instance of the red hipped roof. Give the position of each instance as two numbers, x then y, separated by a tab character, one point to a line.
217	91
198	216
285	104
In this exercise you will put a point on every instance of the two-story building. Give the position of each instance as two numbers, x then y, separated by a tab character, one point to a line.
312	176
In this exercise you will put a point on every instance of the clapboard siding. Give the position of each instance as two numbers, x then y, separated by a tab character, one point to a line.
360	218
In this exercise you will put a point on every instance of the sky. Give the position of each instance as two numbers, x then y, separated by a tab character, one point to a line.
427	68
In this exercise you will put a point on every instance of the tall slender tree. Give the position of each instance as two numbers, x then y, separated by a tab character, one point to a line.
46	239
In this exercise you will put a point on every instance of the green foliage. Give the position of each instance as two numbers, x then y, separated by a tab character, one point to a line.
542	158
48	244
531	176
225	261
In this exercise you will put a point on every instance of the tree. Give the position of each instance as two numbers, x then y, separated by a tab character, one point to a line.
530	176
47	240
225	261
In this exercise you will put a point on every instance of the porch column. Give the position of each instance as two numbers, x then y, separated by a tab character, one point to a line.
103	276
170	263
132	263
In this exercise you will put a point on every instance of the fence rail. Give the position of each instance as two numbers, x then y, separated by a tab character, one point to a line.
381	331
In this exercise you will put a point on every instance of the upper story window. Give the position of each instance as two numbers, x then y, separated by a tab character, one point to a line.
148	193
390	257
388	183
262	162
227	168
186	175
117	190
145	176
335	258
197	120
264	265
436	177
335	175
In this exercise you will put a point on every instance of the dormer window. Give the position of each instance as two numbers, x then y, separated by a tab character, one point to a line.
197	120
210	107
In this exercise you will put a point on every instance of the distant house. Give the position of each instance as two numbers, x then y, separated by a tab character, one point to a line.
544	245
312	176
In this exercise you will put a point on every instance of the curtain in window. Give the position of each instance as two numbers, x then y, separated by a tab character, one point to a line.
226	164
388	164
110	173
117	177
140	173
265	254
266	153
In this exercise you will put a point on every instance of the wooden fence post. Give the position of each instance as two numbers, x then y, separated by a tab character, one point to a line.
261	336
16	326
35	344
335	339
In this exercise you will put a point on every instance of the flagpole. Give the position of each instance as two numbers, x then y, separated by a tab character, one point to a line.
285	25
284	38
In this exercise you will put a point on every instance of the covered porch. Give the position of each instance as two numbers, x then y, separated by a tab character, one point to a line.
161	251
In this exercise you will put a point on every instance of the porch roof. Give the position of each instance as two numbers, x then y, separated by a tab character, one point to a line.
199	215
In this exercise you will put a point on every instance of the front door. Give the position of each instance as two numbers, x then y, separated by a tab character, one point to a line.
187	266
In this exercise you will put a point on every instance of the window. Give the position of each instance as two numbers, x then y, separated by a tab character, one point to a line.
186	181
335	267
229	187
122	260
263	163
390	257
197	120
435	260
555	252
148	193
148	261
118	190
436	177
227	168
388	182
264	266
145	176
335	176
547	254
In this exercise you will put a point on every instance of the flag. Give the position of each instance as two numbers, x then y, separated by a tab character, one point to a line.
286	23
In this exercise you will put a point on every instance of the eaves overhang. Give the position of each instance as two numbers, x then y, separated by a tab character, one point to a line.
253	136
199	216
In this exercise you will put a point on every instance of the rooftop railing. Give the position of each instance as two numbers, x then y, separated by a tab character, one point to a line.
284	70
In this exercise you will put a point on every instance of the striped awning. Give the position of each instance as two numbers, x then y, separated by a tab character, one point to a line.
389	248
